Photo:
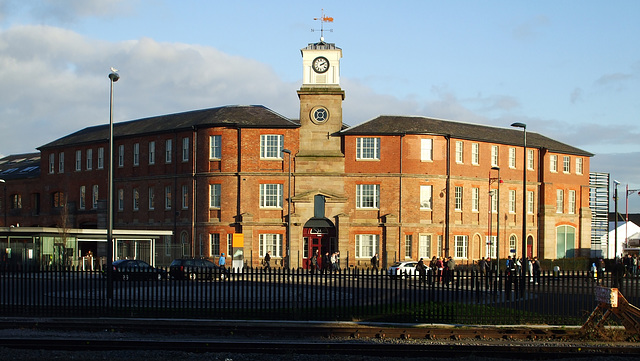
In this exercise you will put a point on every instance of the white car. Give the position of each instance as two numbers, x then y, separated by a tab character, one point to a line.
404	269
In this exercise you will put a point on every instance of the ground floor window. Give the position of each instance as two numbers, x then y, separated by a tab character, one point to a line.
214	244
424	248
366	245
462	246
271	242
492	242
565	241
408	240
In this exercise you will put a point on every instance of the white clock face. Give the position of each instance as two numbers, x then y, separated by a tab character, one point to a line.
320	64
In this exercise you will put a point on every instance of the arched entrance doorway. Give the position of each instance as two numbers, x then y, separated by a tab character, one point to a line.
319	235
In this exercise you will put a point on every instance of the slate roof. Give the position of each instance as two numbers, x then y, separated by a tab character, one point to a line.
396	125
240	116
20	166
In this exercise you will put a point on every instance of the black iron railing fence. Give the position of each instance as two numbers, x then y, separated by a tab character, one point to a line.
459	297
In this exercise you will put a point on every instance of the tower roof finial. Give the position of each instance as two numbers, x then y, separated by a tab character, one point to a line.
323	19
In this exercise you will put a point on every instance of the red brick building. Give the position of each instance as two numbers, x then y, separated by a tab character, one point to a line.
402	187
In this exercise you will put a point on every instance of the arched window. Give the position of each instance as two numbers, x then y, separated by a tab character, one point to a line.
565	241
512	243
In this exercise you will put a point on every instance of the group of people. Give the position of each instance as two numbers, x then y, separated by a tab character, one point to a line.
326	263
439	270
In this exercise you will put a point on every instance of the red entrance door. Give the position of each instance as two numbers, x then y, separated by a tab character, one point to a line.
317	242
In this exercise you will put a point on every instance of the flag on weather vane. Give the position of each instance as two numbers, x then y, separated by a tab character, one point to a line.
323	19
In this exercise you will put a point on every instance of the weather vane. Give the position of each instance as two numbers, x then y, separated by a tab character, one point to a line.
323	19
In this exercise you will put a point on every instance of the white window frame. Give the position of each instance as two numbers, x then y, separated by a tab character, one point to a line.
559	201
566	164
61	162
426	197
271	146
89	161
424	246
530	202
271	195
512	201
185	196
100	158
513	243
366	245
426	150
136	199
121	156
458	194
214	195
215	147
270	242
367	148
571	202
475	153
120	199
167	197
152	198
168	150
136	154
459	152
512	158
152	152
214	244
461	247
367	196
475	199
78	160
579	165
52	163
553	163
185	149
491	243
83	197
94	196
408	246
494	200
495	156
530	159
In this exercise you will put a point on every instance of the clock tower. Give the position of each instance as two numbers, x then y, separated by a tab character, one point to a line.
320	101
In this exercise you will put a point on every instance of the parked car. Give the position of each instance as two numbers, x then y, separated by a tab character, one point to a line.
404	269
196	269
133	269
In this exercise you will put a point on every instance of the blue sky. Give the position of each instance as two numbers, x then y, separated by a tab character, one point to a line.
569	69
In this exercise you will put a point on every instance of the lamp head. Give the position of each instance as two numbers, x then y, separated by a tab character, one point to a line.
519	125
114	76
286	151
615	182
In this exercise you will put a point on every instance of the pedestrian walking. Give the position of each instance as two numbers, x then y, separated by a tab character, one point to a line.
422	271
374	262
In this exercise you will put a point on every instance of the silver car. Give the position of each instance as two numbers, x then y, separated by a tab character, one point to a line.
404	269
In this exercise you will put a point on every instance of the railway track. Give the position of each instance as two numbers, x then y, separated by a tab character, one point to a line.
338	338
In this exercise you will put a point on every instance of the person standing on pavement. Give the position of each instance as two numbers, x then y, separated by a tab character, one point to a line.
422	271
267	261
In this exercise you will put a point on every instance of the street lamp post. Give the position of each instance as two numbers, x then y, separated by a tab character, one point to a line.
497	220
524	197
288	262
113	77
